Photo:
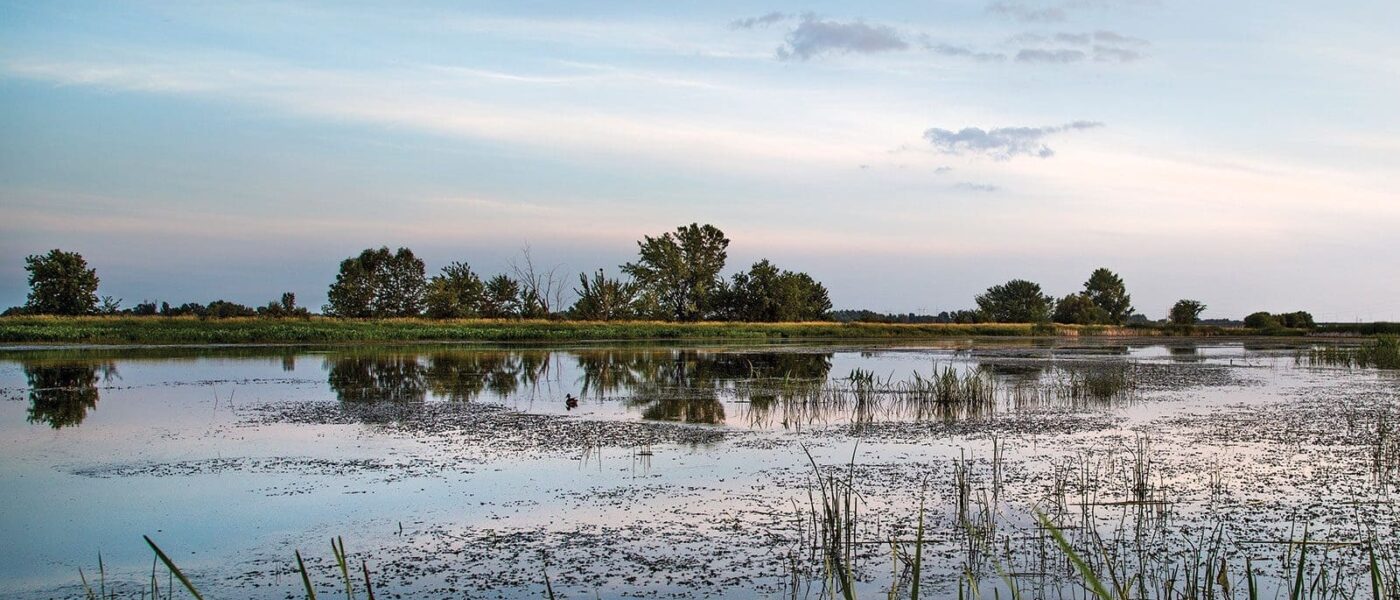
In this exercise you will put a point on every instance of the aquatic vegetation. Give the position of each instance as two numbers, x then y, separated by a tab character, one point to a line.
1380	353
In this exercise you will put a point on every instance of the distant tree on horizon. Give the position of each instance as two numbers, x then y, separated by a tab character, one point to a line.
602	298
1105	288
60	283
501	298
679	271
766	293
1186	312
1079	309
1016	301
456	293
378	284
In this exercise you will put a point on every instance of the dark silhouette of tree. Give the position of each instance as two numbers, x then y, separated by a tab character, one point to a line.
1105	288
1262	320
1016	301
767	294
678	272
603	299
398	378
456	293
1079	309
1186	312
501	299
60	283
283	308
61	394
378	284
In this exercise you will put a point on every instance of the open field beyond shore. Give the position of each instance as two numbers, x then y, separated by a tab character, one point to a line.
182	330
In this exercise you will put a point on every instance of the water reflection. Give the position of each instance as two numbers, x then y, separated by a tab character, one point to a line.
61	394
687	385
454	376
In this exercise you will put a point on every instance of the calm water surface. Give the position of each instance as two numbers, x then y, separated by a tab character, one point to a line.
681	470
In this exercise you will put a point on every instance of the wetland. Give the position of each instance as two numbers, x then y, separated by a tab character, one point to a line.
704	470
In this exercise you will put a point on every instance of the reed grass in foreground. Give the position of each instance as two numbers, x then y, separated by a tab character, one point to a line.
191	330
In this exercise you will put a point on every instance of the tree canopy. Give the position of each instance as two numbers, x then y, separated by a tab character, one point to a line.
60	283
679	271
1105	288
767	294
378	283
1016	301
455	293
1186	312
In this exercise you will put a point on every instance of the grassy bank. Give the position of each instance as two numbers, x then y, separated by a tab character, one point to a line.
189	330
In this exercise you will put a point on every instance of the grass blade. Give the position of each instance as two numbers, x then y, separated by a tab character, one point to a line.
174	570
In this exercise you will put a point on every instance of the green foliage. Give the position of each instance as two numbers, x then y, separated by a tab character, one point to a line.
286	307
1294	320
378	284
1105	288
1262	320
1298	320
1016	301
767	294
60	283
456	293
1186	312
679	272
603	299
501	298
1080	309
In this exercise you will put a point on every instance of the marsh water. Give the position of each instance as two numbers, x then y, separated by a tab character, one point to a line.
685	471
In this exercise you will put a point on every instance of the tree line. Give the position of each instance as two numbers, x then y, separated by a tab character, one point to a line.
676	276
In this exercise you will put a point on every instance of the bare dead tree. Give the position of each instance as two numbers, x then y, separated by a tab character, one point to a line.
541	289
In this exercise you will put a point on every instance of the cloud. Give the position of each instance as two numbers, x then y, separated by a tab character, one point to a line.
1109	37
1060	56
1020	11
961	51
759	21
1001	143
1114	54
1102	46
977	187
814	37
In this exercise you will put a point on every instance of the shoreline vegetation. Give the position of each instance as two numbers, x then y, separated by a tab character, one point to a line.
101	330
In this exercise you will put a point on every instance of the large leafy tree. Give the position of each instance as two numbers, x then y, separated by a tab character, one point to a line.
766	293
501	298
378	283
1186	312
602	298
60	283
1105	288
455	293
679	270
1016	301
1079	309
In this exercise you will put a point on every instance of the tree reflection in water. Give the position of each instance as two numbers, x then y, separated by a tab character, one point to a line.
62	393
458	376
687	385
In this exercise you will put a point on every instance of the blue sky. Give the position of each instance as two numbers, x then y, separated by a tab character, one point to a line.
908	154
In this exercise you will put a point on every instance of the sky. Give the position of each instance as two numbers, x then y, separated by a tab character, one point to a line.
907	154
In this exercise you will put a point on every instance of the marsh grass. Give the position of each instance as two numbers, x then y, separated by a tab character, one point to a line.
1380	353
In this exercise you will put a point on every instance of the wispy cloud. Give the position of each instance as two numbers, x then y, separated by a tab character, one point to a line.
759	21
971	186
942	49
1037	55
1001	143
814	37
1021	11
